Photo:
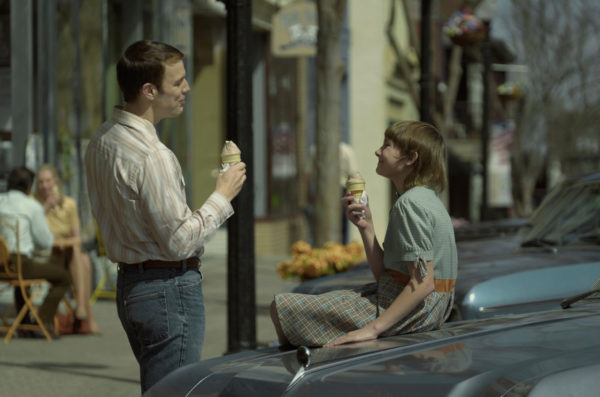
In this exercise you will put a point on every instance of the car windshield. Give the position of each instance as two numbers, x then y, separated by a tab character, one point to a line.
571	214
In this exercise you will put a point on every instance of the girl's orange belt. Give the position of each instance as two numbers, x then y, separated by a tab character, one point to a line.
404	279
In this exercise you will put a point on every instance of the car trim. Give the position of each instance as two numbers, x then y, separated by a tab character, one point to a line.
198	384
491	309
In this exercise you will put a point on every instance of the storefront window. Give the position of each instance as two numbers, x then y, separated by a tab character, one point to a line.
281	139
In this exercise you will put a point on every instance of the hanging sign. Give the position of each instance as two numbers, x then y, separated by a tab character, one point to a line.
294	30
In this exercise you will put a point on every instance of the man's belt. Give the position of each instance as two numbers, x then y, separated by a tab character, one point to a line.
189	263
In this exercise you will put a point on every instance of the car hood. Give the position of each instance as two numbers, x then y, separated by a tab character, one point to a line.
489	229
535	265
486	247
497	356
542	266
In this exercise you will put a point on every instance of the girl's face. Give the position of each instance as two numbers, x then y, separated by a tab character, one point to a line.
391	160
45	183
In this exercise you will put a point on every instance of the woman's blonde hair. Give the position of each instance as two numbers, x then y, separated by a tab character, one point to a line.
424	139
58	184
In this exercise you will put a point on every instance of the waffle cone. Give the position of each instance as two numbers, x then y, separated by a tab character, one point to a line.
356	188
231	158
230	153
357	193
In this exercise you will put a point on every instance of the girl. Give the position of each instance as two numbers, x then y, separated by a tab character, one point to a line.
415	273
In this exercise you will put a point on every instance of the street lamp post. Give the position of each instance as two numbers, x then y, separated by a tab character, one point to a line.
241	295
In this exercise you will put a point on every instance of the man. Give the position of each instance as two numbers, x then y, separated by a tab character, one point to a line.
34	233
137	193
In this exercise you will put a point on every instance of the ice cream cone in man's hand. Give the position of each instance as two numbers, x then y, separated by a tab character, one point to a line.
230	155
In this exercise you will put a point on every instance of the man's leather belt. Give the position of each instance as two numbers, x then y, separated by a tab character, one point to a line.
189	263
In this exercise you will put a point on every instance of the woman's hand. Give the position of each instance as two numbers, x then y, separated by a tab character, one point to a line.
359	335
51	202
357	213
64	243
59	245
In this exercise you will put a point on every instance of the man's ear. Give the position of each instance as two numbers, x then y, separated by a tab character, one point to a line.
412	158
149	91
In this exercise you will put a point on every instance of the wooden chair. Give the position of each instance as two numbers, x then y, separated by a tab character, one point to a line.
12	274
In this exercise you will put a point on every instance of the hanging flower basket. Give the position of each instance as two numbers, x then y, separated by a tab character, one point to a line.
465	29
468	39
510	91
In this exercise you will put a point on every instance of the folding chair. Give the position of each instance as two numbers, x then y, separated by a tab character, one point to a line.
12	274
106	287
103	290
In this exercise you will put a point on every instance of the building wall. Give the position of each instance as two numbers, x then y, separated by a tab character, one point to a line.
367	101
208	91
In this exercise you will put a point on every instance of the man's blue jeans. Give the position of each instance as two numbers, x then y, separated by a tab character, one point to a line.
162	312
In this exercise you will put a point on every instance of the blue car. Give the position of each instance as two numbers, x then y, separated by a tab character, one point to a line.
546	354
556	253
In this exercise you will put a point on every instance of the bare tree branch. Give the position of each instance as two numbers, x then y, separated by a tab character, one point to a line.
559	45
400	58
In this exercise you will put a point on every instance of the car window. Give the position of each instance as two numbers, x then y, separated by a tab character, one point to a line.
570	215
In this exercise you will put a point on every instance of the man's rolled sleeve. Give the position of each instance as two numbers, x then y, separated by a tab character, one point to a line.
218	207
178	231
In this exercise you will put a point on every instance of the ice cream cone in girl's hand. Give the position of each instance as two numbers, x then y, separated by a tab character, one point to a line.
355	184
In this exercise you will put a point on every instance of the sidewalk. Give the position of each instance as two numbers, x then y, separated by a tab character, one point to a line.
103	365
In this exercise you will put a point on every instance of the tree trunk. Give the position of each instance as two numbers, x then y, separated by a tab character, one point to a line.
328	136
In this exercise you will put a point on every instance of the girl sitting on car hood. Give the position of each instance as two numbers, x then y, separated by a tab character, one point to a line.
416	268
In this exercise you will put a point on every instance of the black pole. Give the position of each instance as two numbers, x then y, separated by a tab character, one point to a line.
425	82
241	294
486	53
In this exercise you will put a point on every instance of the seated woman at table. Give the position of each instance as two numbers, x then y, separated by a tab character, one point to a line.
63	219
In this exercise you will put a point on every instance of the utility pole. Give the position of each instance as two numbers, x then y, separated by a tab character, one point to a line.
486	53
241	294
425	81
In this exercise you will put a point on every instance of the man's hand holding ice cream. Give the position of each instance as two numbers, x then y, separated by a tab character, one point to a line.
233	172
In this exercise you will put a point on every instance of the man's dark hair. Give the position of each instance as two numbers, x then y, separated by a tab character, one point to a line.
20	178
143	62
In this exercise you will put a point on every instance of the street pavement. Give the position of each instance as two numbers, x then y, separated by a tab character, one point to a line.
103	365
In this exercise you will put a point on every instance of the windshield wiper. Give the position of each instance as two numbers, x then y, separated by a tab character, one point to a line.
566	303
539	242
